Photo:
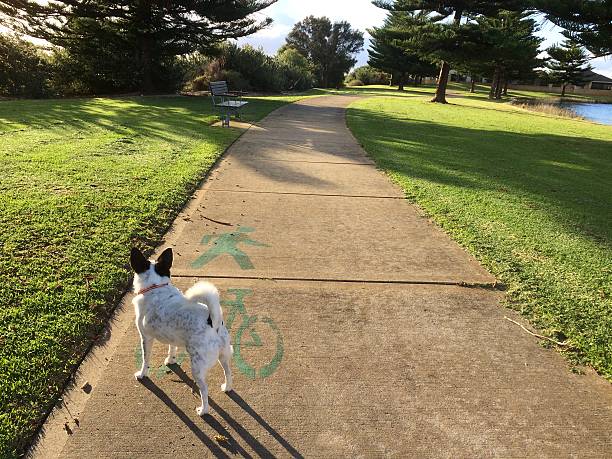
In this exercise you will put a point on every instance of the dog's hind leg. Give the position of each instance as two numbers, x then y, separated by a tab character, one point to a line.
146	344
199	370
225	359
171	355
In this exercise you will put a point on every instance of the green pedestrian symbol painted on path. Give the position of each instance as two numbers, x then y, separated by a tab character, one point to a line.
227	243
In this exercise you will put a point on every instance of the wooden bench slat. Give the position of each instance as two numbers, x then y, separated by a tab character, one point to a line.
231	103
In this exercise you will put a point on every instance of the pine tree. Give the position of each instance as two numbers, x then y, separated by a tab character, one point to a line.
588	23
503	46
390	48
140	35
567	64
456	11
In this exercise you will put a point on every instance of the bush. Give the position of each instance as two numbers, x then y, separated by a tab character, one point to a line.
235	80
368	75
355	83
297	69
25	70
247	68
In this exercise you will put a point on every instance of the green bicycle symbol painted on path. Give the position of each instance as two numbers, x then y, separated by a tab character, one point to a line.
245	338
227	243
246	335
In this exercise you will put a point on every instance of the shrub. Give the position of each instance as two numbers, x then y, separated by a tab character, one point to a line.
368	75
246	68
25	70
297	69
198	84
355	83
235	80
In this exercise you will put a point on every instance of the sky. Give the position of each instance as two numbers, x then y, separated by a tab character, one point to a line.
361	14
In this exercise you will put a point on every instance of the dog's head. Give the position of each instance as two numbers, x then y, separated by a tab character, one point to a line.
150	272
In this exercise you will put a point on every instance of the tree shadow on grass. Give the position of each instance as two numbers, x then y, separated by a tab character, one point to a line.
567	177
154	117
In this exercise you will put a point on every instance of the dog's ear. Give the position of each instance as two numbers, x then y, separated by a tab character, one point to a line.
164	263
138	261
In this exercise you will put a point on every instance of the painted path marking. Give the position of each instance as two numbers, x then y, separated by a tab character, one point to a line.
227	243
246	336
247	328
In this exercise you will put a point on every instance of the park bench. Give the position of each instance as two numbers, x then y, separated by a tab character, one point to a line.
227	101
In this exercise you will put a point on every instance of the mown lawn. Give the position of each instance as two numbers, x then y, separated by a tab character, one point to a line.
80	182
530	195
462	90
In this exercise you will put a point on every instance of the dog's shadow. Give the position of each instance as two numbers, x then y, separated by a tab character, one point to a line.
231	445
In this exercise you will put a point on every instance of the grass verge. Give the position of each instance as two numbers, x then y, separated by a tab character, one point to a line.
81	181
528	194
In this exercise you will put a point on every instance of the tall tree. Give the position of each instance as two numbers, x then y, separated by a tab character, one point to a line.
329	47
145	33
454	11
390	50
503	46
567	64
589	23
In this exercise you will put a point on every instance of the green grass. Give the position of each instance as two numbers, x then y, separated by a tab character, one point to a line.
528	194
462	90
80	182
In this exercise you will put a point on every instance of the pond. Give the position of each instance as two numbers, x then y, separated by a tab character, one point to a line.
600	113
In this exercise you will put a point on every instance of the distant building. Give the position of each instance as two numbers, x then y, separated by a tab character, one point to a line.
594	80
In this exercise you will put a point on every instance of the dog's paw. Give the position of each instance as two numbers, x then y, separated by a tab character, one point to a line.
202	410
140	375
170	361
226	387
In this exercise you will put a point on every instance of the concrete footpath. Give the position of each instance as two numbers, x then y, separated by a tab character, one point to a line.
360	329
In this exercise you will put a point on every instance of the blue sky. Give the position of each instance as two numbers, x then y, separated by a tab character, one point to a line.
361	14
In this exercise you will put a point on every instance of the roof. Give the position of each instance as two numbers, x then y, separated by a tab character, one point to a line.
589	75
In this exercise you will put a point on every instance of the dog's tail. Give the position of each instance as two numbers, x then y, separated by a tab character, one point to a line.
207	293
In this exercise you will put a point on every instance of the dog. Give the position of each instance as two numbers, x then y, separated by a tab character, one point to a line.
192	320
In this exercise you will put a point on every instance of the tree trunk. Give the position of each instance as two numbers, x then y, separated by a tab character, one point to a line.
494	83
145	42
500	86
473	86
147	78
440	96
506	87
563	90
400	83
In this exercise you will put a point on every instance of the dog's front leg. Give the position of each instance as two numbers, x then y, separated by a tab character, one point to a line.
146	344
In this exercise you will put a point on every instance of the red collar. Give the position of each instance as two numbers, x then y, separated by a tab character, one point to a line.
152	287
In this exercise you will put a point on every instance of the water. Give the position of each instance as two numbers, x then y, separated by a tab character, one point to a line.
600	113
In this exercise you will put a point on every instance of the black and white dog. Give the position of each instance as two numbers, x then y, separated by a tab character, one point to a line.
192	320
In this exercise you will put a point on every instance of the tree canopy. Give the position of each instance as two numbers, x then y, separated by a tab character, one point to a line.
329	47
502	46
567	64
140	37
588	23
390	48
449	46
